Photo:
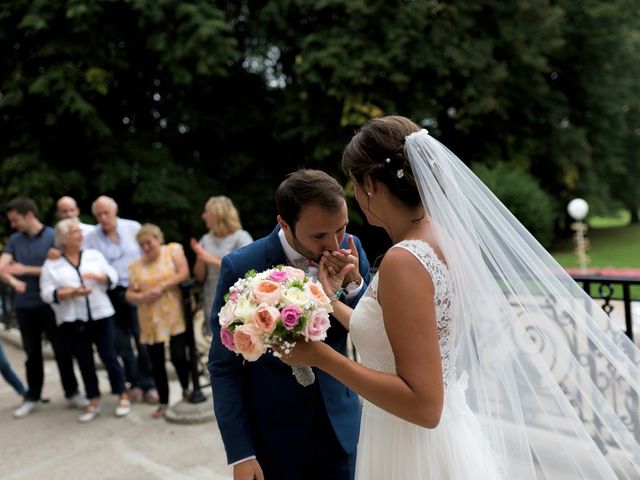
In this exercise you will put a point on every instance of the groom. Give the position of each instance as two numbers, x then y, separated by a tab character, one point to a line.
272	427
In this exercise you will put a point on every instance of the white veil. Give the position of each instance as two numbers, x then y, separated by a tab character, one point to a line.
553	381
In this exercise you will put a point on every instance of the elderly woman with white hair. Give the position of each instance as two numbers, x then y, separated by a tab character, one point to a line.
75	284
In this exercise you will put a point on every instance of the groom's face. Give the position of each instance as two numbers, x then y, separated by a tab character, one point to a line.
317	230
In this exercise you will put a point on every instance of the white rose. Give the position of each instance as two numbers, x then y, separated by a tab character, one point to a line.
295	296
245	309
227	315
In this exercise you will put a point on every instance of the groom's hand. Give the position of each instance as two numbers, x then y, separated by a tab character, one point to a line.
248	470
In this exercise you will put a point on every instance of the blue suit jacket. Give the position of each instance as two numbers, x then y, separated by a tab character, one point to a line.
260	408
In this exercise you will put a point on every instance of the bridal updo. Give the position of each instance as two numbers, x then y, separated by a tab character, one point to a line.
377	150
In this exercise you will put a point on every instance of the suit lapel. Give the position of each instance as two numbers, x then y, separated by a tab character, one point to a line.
274	254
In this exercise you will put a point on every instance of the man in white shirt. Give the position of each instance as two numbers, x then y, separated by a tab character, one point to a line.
115	238
66	207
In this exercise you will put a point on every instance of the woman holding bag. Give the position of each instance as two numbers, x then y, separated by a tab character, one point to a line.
153	287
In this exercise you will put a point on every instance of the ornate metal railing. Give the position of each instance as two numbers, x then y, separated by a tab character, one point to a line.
609	289
615	293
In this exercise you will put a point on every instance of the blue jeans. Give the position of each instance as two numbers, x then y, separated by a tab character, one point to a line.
9	375
81	336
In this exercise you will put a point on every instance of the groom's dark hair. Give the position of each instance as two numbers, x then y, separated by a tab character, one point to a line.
307	187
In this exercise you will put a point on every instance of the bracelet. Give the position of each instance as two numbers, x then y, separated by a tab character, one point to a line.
337	295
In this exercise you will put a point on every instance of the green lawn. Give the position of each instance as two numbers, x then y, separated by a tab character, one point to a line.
611	246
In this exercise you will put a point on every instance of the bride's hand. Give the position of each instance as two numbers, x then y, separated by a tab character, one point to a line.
304	354
330	278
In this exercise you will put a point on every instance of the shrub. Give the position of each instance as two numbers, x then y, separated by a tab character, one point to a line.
523	196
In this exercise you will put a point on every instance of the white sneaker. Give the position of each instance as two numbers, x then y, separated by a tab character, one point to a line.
78	401
25	409
124	408
90	414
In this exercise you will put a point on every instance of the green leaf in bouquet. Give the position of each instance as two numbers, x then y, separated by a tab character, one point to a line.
299	284
250	274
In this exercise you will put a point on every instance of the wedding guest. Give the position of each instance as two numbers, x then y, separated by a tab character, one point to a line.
75	285
224	236
271	426
20	267
154	280
115	238
66	207
9	375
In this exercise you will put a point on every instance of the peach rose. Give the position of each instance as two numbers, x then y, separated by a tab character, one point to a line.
266	291
266	317
248	340
317	293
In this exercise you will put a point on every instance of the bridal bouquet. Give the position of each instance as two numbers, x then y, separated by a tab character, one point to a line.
272	310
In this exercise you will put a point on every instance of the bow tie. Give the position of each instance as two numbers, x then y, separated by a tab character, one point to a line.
304	264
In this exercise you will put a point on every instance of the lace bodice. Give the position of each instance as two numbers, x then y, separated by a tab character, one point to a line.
367	323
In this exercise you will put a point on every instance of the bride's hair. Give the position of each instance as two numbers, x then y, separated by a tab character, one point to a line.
377	150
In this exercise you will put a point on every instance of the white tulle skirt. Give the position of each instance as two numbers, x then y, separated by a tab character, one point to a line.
393	449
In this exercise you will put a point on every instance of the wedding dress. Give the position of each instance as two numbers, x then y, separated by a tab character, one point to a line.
391	448
540	382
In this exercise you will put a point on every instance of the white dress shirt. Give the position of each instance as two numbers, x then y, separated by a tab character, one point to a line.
60	273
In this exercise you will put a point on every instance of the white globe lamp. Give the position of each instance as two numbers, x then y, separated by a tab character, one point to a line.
578	209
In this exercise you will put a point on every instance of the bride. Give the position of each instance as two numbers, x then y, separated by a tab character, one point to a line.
481	358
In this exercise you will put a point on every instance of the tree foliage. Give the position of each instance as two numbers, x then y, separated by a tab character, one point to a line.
163	103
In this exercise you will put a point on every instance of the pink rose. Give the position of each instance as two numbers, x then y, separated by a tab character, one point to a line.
266	317
249	342
291	316
234	296
279	276
317	326
266	291
294	273
227	339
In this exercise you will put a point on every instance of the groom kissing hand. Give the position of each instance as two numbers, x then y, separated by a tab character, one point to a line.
272	427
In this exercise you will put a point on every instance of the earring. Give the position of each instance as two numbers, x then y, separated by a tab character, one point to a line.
369	193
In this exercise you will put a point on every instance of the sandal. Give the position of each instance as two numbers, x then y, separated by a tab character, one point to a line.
160	411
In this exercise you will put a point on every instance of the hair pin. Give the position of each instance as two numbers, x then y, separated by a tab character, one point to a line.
400	173
387	160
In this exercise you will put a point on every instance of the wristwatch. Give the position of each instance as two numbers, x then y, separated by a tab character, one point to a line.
351	286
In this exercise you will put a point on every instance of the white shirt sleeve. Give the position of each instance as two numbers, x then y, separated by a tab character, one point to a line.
252	457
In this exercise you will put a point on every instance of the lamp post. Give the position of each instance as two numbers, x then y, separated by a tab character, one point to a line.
578	210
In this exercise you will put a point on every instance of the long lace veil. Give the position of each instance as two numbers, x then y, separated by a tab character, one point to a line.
553	382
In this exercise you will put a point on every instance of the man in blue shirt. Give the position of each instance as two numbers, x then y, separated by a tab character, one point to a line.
115	238
20	266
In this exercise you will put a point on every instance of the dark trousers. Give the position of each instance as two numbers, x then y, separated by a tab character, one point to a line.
178	354
81	336
137	368
322	457
33	323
